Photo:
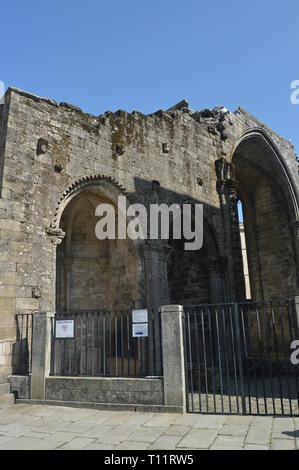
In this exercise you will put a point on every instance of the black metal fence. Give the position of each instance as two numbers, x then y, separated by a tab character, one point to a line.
103	345
21	350
238	358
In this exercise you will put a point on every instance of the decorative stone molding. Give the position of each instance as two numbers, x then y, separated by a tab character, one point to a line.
84	183
56	235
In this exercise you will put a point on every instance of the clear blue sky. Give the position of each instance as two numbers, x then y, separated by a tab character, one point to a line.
149	54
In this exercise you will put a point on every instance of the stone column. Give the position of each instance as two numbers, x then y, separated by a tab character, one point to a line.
296	302
235	240
156	254
173	356
228	195
41	353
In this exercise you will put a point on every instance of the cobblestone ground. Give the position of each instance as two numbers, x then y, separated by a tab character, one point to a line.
45	427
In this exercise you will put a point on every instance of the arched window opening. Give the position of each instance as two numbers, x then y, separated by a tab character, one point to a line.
244	250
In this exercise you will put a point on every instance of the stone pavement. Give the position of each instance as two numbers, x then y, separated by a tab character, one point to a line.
50	427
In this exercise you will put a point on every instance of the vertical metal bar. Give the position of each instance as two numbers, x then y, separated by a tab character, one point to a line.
198	358
208	311
295	321
160	343
104	343
291	340
269	357
86	343
64	356
27	346
277	357
149	339
246	351
128	344
52	347
186	365
141	343
75	345
154	344
98	344
285	356
250	345
21	346
135	355
122	342
234	358
110	344
226	360
219	359
261	356
240	358
190	360
205	359
81	344
92	345
32	320
115	342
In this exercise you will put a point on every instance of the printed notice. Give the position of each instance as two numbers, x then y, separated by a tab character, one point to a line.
140	330
65	329
140	316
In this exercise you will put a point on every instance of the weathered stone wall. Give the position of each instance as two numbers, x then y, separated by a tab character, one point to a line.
46	151
106	390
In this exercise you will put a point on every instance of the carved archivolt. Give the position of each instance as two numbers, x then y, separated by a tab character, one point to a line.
81	185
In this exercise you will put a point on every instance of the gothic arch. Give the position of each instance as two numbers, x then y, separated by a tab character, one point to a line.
270	204
105	183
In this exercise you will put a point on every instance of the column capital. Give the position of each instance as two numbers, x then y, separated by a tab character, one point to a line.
56	235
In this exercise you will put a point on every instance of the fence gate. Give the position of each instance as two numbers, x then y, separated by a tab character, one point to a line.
238	358
103	346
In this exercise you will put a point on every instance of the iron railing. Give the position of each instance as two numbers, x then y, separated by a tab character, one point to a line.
22	348
103	345
238	358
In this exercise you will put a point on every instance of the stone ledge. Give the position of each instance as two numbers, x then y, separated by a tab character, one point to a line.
106	406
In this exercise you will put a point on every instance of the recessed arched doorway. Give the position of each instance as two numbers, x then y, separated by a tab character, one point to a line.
95	274
270	212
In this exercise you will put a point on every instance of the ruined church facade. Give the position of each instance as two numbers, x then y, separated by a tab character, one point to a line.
58	163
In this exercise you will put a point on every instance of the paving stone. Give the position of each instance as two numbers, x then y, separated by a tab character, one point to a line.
24	443
97	446
234	430
161	420
146	434
198	439
187	419
259	432
177	430
98	431
256	447
131	445
165	443
282	444
210	422
118	434
139	419
77	444
77	427
228	442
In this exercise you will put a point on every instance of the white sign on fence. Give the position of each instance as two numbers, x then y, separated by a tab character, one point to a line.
65	329
140	316
140	330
